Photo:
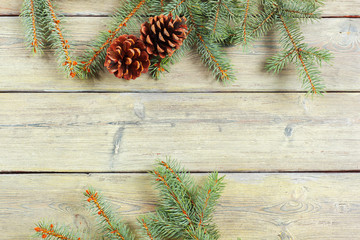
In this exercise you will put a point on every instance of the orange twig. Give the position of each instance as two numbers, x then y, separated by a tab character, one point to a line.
285	57
178	5
64	42
246	14
227	8
298	50
35	41
51	232
217	15
112	36
94	198
263	22
147	229
206	203
162	179
162	5
223	72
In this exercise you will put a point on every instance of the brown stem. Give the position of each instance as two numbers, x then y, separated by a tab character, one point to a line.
101	212
298	50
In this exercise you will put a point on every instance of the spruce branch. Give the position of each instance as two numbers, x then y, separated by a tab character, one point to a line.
57	40
147	229
175	7
245	19
212	57
267	21
312	76
113	227
34	33
49	232
209	51
207	199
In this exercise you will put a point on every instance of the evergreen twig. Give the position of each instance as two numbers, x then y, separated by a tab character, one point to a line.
112	227
34	33
211	24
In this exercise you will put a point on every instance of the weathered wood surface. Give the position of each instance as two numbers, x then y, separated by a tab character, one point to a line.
229	131
93	7
207	131
253	206
19	67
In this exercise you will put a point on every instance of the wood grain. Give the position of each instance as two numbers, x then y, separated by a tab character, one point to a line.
93	7
253	206
19	68
219	131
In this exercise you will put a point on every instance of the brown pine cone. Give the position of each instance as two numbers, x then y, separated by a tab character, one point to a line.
127	57
163	34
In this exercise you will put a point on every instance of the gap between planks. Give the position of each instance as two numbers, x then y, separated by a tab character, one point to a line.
165	92
191	172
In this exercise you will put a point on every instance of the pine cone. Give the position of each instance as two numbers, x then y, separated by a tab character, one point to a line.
127	57
163	34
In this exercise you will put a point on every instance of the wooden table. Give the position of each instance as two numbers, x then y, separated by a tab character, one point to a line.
292	162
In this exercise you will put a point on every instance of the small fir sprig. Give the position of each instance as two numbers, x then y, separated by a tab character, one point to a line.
56	38
34	31
285	17
185	210
51	232
110	226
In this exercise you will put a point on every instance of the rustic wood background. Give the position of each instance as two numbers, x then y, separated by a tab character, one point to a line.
292	162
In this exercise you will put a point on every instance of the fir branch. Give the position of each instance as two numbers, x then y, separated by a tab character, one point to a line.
32	13
209	51
245	19
173	193
59	41
147	229
221	69
49	232
162	5
114	228
177	6
267	18
86	66
298	50
34	32
179	178
208	197
227	8
217	15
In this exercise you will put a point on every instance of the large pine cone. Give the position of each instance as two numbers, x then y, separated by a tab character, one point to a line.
163	34
127	57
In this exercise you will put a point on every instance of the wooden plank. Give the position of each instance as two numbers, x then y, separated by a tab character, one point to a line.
93	7
253	206
224	131
20	71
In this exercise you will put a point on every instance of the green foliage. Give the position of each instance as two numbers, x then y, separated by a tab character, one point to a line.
285	17
211	24
185	210
34	31
109	225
